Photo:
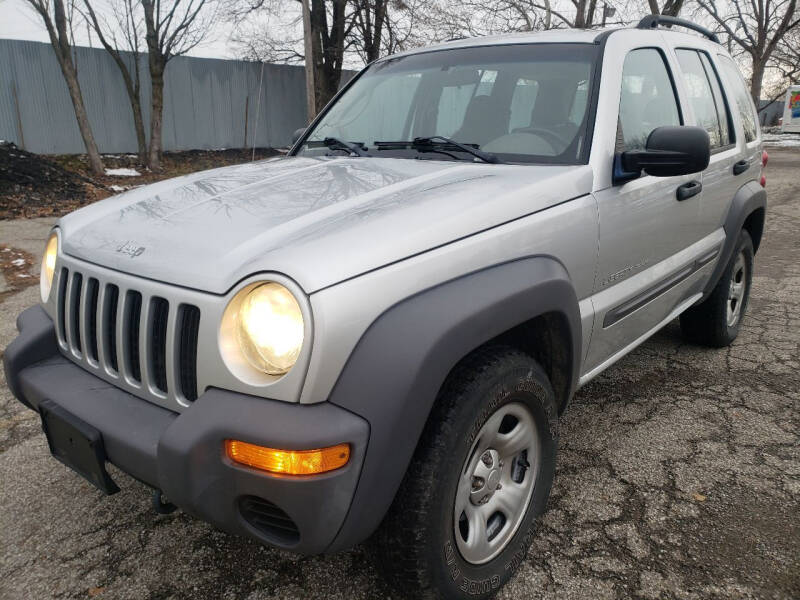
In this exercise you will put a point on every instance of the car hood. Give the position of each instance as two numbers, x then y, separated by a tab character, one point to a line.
316	220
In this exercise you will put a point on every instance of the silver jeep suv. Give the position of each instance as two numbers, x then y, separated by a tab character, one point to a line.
374	336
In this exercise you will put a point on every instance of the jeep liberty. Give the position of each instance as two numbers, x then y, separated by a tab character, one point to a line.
374	336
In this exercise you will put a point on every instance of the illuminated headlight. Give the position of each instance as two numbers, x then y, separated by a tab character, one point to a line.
48	266
269	328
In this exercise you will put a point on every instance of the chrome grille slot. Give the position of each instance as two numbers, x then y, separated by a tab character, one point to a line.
61	307
90	317
72	309
128	333
159	311
109	330
187	353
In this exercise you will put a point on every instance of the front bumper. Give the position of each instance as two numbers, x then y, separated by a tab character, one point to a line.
182	454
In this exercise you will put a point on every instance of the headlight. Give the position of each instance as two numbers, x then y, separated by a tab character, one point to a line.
269	328
48	266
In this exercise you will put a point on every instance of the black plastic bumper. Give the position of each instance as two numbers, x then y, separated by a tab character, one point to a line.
182	454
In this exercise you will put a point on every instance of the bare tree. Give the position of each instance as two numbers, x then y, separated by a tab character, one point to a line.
124	33
56	20
757	28
784	68
331	23
329	30
670	8
369	20
171	30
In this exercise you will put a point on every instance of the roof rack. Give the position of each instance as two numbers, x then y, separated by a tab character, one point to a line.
653	21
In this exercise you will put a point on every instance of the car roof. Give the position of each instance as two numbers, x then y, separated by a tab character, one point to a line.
585	36
551	36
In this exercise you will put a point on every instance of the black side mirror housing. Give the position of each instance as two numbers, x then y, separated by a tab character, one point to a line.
669	151
298	133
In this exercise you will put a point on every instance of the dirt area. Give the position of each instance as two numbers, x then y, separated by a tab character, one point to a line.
33	185
678	477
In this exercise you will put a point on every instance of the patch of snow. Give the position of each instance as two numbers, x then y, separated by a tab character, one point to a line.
782	140
122	172
18	262
784	144
117	188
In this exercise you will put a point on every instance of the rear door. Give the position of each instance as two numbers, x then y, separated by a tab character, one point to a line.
747	131
729	166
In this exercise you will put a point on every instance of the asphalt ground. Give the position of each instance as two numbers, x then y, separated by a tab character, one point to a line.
678	476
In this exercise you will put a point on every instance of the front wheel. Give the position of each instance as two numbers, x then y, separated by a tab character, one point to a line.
716	321
462	520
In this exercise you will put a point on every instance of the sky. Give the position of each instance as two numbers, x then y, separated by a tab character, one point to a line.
19	21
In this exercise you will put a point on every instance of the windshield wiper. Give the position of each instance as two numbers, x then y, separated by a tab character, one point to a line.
333	143
440	142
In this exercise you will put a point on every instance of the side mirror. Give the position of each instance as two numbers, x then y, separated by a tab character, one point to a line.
669	151
298	133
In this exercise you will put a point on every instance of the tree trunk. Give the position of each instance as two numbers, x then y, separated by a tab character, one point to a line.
132	88
138	124
59	39
311	94
757	80
156	115
71	77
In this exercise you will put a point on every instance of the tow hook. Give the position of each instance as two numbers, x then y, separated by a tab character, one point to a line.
160	505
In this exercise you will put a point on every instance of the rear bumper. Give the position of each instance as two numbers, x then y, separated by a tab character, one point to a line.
182	454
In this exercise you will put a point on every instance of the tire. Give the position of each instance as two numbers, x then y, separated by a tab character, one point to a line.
716	321
416	546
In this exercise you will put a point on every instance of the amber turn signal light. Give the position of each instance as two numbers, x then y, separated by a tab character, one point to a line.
288	462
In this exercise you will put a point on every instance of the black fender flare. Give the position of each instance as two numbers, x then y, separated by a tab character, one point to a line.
398	366
748	199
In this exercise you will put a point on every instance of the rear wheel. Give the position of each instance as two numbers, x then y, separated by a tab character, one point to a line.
462	520
716	321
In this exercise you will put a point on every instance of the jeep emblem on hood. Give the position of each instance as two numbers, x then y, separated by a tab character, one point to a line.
130	249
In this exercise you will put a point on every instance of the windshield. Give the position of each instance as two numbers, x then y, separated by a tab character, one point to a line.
521	103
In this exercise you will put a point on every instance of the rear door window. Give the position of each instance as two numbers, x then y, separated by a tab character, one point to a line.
706	99
647	98
741	97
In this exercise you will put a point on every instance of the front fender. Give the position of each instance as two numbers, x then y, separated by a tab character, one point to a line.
398	366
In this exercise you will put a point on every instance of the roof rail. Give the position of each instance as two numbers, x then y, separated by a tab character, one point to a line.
653	21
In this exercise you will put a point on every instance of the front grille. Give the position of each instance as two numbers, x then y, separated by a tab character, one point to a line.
144	342
269	519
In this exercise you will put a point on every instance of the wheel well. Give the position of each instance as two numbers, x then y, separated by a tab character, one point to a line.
754	224
547	339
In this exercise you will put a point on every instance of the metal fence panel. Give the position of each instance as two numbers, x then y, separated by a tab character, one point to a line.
208	103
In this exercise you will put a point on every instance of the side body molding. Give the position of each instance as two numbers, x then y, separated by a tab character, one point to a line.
750	197
397	368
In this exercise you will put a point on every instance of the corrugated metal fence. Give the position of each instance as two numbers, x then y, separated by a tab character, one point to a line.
208	103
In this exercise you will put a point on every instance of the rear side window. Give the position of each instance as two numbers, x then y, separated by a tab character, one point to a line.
647	99
742	101
705	96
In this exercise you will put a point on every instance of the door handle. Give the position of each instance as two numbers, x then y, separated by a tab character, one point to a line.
740	167
687	190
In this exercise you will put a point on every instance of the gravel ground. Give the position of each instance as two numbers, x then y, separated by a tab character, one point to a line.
678	477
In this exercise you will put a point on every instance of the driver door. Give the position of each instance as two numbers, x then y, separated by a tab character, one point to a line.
646	233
